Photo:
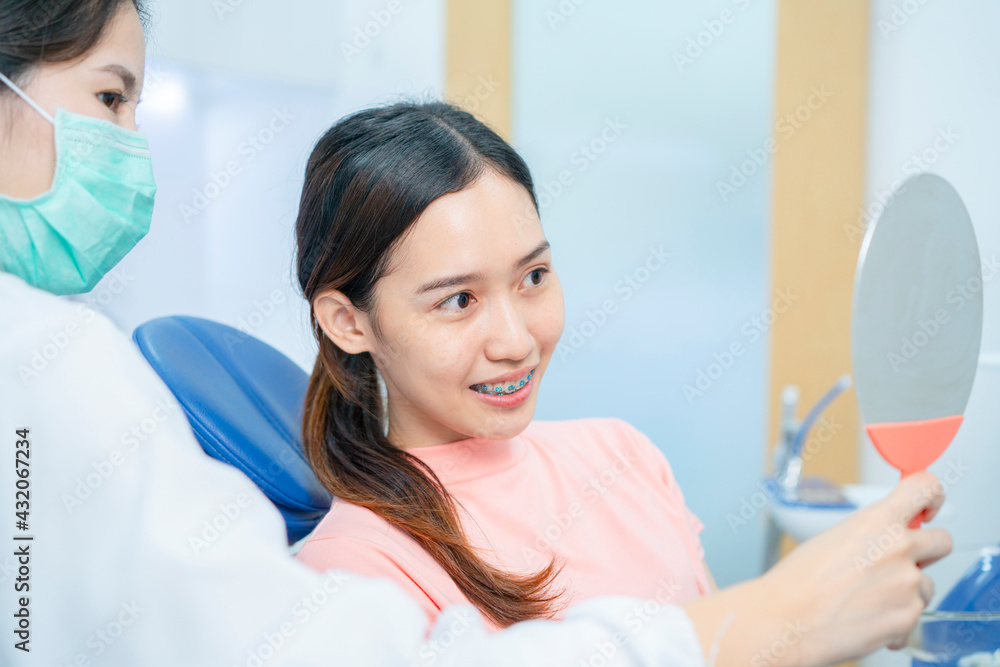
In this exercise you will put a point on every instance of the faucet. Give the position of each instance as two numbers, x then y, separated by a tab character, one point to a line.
787	459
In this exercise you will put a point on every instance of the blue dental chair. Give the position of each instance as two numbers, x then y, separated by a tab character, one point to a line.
244	400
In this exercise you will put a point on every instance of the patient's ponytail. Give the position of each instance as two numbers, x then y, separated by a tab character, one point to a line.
367	180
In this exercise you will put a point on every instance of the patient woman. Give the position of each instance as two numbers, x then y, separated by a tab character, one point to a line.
422	255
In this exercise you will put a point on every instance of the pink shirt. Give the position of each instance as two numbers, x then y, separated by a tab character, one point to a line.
596	491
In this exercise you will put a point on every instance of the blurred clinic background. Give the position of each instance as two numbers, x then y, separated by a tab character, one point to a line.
748	141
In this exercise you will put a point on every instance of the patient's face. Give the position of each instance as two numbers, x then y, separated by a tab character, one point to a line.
440	342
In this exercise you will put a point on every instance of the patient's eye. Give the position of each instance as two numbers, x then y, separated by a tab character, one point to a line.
457	296
541	271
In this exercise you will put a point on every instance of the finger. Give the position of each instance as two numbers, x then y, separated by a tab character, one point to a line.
902	641
897	644
929	545
926	588
932	510
916	493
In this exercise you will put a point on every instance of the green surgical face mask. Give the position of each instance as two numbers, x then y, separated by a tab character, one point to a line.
99	206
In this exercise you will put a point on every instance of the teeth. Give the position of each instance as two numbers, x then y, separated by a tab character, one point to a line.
504	388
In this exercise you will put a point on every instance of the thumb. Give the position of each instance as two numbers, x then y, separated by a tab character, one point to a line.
916	493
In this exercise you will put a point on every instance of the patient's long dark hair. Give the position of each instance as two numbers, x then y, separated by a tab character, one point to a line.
367	180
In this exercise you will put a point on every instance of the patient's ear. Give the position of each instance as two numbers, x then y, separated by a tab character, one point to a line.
342	323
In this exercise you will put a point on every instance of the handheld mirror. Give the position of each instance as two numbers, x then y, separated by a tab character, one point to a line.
917	323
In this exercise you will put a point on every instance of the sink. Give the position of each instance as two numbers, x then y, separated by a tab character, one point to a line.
820	506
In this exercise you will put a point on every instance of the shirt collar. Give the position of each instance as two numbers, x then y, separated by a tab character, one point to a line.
472	458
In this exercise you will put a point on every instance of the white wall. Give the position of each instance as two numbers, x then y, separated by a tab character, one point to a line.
687	116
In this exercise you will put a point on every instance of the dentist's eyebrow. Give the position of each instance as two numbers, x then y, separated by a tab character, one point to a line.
127	77
478	275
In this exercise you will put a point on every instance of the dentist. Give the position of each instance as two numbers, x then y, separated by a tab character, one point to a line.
124	544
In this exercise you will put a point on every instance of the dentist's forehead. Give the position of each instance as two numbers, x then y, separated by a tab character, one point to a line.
122	48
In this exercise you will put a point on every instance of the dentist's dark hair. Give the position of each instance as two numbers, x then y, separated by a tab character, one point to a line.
367	181
50	31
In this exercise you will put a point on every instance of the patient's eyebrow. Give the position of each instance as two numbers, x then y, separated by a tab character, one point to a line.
441	283
127	77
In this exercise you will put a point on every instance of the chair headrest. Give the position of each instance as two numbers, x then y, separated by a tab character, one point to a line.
244	400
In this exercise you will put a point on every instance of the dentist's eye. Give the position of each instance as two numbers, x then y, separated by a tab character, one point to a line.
467	296
112	100
541	271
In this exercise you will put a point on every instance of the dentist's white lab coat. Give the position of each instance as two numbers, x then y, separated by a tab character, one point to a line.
147	552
